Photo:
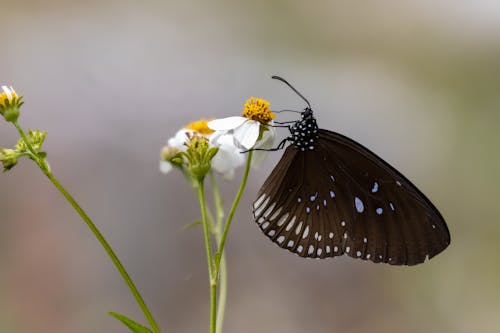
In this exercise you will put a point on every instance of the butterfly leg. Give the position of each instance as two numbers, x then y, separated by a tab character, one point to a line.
279	147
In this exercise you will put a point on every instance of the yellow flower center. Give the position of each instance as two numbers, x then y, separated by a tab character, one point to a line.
258	109
8	94
200	126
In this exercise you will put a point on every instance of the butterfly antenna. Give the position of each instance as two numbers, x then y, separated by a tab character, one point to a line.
288	84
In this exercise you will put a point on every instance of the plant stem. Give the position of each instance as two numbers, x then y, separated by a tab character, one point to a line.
43	166
25	139
219	212
221	306
208	247
235	205
109	251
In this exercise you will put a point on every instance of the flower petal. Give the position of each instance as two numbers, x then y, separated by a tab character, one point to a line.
225	124
247	134
179	140
266	142
228	157
165	167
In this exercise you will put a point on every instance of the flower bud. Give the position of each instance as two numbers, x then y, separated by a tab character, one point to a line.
10	103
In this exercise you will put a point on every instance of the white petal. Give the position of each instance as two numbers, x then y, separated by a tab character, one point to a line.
227	140
225	124
266	142
8	91
227	159
214	137
165	167
247	134
179	139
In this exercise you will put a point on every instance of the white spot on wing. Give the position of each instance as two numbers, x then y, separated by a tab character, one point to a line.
379	211
311	249
290	224
347	249
335	249
259	210
359	205
358	253
332	194
272	233
290	243
306	232
392	206
330	235
259	201
269	210
365	240
299	227
265	225
276	214
375	187
299	248
342	223
282	220
281	239
319	252
328	249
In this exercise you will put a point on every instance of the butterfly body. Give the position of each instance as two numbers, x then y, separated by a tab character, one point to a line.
329	196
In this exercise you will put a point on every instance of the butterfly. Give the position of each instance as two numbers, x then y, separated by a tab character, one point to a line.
329	196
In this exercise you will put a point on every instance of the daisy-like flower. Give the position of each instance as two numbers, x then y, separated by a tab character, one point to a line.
250	127
249	131
225	161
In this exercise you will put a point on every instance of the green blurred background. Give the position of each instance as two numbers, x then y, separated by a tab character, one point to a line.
416	81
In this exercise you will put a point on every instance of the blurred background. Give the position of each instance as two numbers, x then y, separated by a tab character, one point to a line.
111	81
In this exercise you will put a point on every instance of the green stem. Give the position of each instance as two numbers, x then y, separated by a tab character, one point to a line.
234	206
109	251
23	136
221	306
219	212
43	166
208	248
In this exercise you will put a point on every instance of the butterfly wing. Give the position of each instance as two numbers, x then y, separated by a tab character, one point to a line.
342	198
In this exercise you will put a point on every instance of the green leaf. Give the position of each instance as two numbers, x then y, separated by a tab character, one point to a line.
134	327
191	225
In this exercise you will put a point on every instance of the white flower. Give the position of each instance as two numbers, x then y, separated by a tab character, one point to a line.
247	129
228	158
225	161
180	139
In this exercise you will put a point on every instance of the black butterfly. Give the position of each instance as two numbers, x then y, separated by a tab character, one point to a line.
330	196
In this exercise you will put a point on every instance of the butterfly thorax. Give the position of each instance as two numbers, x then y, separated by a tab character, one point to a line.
304	132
